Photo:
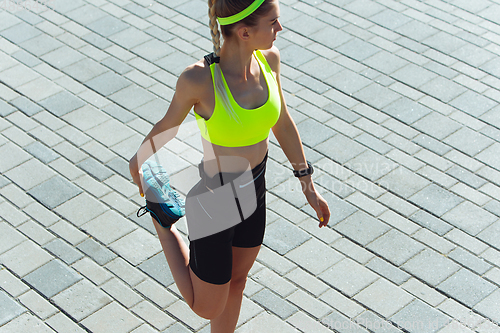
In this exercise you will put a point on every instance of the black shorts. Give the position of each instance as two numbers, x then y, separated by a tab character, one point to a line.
211	256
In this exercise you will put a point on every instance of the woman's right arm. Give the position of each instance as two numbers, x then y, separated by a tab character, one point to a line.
187	88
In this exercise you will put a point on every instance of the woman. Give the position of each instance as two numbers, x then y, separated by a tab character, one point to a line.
237	99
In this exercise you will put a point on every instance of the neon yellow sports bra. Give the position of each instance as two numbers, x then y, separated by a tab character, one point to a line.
248	126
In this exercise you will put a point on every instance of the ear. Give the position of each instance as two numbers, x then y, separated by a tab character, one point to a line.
244	33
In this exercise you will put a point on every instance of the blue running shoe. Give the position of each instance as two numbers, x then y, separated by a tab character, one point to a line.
162	202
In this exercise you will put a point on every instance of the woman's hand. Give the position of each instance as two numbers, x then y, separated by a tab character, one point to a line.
136	173
317	202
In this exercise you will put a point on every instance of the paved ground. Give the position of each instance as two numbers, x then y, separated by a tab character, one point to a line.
397	103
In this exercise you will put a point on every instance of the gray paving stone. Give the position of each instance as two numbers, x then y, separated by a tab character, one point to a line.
469	217
375	323
81	209
420	317
108	227
488	306
153	50
119	113
361	227
435	199
8	20
406	110
62	57
403	182
120	166
340	148
314	256
107	83
340	323
63	251
473	103
10	308
30	174
54	192
132	97
288	55
62	103
388	271
466	177
26	106
370	165
444	42
473	55
116	65
26	323
129	38
16	156
42	152
157	268
377	96
24	258
81	299
6	109
491	235
489	156
20	32
396	247
467	287
436	125
413	75
96	251
84	70
95	169
348	277
26	58
416	30
320	68
85	14
430	222
107	26
390	19
470	261
97	41
52	278
443	89
348	82
357	49
364	8
282	236
468	141
431	267
492	67
175	62
384	297
431	144
274	303
313	132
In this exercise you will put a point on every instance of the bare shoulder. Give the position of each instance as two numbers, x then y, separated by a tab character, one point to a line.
195	76
273	58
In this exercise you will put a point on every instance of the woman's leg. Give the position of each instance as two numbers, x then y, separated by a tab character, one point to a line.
206	299
243	259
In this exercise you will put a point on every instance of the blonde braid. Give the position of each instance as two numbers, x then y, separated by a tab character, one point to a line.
214	27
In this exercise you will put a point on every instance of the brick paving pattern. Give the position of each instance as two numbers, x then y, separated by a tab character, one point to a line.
397	104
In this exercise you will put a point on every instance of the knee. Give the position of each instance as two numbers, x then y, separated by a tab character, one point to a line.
238	285
209	312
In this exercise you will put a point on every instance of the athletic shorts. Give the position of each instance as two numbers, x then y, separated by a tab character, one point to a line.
237	211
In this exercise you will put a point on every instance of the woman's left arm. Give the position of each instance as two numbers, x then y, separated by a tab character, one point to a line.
288	137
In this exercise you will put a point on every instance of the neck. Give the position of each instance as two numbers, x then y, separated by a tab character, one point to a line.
235	60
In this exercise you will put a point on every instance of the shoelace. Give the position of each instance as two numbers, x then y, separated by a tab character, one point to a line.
175	197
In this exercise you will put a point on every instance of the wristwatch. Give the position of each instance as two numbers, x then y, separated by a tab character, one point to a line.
304	172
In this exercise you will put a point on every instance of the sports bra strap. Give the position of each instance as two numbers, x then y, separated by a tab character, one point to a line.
211	58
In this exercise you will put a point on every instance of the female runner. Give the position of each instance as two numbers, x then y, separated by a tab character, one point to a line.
237	98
